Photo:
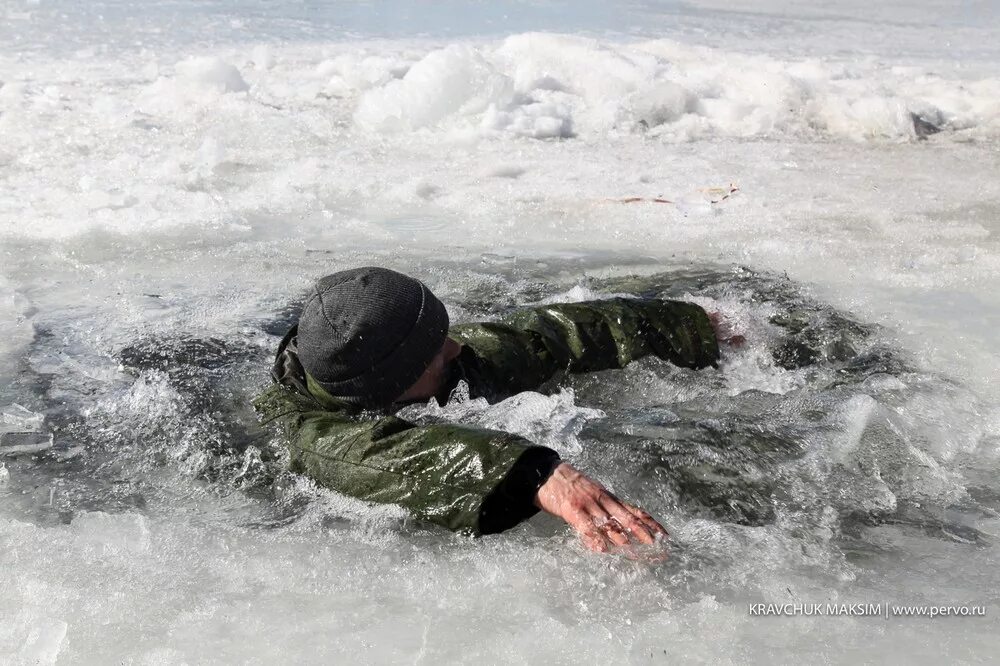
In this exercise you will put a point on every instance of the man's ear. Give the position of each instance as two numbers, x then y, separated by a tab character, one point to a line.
451	349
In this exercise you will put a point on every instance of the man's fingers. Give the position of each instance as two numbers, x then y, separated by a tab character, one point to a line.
630	523
591	535
595	541
602	520
613	530
600	531
650	522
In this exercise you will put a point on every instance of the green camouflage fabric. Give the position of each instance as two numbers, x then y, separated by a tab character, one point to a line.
464	478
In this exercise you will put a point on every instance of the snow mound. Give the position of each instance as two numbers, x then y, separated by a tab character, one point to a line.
557	86
200	83
213	73
454	80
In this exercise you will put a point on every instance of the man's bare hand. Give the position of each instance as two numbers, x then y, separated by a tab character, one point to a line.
724	332
602	520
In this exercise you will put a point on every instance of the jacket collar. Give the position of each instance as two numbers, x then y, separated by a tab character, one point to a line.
288	371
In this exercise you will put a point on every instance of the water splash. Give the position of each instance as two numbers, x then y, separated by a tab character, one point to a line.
550	420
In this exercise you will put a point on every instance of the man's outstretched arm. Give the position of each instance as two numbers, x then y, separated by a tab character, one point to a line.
464	478
605	334
529	346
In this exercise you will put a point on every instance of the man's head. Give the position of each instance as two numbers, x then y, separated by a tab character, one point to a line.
370	335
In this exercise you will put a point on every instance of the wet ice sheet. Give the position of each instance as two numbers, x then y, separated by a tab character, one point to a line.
218	590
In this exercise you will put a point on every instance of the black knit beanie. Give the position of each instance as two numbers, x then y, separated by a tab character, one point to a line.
367	334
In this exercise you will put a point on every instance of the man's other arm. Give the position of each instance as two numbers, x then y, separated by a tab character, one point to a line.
464	478
528	346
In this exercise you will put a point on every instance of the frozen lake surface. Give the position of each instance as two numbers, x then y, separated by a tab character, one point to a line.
173	175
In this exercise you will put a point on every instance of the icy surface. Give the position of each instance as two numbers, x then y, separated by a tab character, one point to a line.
173	175
18	418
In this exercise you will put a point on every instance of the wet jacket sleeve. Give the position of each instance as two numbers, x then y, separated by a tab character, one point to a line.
528	346
464	478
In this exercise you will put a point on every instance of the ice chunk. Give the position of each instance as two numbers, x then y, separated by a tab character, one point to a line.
210	154
70	453
455	80
494	259
17	418
263	58
126	531
663	102
212	73
538	120
19	443
43	642
551	127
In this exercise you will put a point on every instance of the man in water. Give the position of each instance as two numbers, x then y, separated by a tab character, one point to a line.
371	340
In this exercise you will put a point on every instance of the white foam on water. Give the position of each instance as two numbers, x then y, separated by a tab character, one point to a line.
550	420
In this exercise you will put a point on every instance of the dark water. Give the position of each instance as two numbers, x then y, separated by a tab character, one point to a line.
843	442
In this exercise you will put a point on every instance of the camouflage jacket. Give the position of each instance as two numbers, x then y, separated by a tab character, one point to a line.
467	478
